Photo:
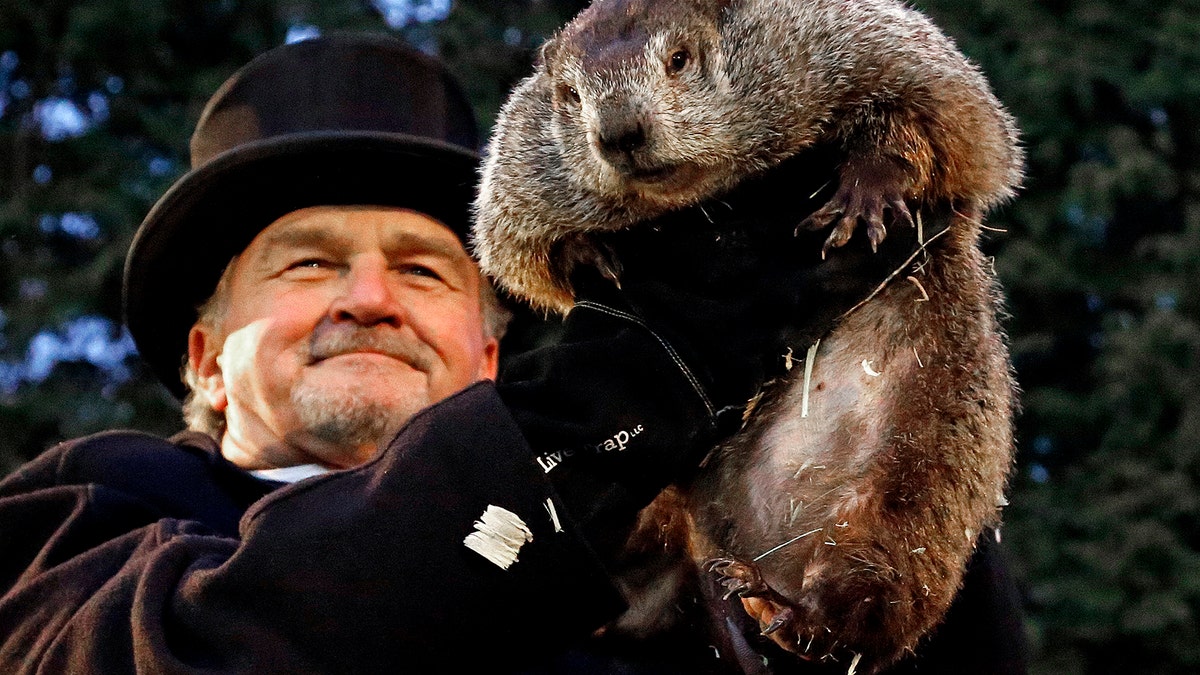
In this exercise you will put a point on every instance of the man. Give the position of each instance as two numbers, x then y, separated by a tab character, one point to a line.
362	498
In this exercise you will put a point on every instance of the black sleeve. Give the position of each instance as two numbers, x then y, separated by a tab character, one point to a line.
362	571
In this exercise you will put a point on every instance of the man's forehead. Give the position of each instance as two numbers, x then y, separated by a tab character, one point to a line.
348	226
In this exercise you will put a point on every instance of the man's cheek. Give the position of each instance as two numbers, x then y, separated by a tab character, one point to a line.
242	350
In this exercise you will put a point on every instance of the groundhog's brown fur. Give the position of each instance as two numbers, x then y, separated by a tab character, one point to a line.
898	466
639	107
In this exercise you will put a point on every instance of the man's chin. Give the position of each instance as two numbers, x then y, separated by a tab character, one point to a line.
351	417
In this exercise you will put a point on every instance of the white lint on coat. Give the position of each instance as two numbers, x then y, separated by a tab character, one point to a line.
499	535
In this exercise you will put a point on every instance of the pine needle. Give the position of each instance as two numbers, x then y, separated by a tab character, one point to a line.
808	366
786	543
924	294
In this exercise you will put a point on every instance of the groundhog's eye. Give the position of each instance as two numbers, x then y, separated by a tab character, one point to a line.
568	93
678	61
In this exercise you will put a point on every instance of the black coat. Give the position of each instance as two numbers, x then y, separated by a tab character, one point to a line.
123	552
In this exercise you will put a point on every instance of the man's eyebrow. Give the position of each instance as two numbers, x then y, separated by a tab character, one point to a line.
315	235
407	241
301	236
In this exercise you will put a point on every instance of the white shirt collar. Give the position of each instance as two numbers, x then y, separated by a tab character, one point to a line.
291	474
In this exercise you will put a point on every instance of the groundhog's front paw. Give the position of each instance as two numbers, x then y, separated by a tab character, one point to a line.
866	188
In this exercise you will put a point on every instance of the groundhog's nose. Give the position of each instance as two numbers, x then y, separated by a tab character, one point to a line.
622	131
623	140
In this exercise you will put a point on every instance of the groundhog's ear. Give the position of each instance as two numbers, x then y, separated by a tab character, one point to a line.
716	7
545	53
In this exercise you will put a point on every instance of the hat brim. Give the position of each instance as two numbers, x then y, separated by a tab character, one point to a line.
212	213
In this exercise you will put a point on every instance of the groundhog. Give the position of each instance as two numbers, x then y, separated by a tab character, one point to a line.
844	512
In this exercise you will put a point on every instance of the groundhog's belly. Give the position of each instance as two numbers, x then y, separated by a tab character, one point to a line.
850	503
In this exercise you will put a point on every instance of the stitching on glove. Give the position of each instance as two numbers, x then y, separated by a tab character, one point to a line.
633	318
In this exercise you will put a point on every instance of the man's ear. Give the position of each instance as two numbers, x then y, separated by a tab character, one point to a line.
204	346
490	365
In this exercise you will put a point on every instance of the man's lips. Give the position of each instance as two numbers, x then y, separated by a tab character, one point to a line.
367	353
331	340
317	358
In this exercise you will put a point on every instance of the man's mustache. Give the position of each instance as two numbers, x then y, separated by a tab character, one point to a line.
334	339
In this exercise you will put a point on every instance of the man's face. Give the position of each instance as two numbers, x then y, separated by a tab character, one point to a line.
340	323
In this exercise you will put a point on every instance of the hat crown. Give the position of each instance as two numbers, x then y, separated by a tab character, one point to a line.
335	83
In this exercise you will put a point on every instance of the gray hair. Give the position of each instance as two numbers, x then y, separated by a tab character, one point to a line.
198	412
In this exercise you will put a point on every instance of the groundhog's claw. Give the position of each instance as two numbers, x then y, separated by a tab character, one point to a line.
777	618
738	577
574	252
840	235
778	623
866	190
734	587
782	618
900	211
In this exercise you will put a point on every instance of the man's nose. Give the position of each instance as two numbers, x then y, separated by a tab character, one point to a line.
366	296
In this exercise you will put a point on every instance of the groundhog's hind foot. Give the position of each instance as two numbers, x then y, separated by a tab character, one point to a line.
746	581
783	625
866	189
738	577
810	628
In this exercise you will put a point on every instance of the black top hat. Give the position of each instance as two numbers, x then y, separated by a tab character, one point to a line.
340	119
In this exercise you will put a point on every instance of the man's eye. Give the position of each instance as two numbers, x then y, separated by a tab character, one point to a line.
309	263
307	266
421	271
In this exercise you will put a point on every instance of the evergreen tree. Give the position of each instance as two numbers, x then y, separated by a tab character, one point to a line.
1099	261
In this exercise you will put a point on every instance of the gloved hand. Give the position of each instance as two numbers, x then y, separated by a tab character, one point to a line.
613	409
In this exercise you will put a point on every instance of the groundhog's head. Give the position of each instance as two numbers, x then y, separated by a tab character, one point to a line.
641	99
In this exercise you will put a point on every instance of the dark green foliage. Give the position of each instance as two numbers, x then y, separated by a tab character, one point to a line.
1099	256
1099	263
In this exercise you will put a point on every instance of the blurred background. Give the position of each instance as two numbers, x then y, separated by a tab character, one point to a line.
1099	257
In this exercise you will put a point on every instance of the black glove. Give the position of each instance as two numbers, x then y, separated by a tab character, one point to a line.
613	409
645	378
